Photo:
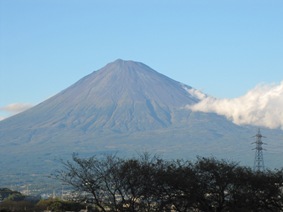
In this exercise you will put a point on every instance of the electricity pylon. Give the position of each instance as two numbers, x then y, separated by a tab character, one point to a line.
258	160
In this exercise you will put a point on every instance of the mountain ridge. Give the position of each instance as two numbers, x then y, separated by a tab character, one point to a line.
124	107
119	84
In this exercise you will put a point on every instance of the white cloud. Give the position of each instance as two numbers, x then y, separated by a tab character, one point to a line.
194	92
13	109
261	106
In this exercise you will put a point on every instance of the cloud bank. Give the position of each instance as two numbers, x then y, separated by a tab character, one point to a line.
13	109
261	106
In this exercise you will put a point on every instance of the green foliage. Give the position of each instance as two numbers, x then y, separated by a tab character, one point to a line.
15	201
17	196
42	205
7	194
58	205
20	206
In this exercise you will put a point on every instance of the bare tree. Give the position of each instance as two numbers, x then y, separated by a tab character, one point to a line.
93	176
148	183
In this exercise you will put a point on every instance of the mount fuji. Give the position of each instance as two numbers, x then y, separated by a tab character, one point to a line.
125	107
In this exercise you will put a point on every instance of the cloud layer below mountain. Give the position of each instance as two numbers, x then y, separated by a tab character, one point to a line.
261	106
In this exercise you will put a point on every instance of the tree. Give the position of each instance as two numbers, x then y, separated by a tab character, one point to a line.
55	204
93	178
7	194
258	191
176	186
114	184
140	184
149	183
215	182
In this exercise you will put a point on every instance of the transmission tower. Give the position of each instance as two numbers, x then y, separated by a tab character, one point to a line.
258	161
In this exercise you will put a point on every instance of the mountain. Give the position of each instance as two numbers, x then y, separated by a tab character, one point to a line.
122	96
125	107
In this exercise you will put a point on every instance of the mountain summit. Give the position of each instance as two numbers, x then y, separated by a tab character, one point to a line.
123	107
122	96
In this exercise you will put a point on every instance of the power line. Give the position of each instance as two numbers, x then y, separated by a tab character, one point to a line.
258	160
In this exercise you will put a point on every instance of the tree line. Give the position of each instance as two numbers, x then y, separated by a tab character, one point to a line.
150	183
15	201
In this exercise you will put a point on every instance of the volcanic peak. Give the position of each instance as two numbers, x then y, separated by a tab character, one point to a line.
122	95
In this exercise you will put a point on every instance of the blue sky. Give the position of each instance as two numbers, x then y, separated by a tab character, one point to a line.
222	47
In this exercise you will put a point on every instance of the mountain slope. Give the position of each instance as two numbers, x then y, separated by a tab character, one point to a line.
123	96
124	107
